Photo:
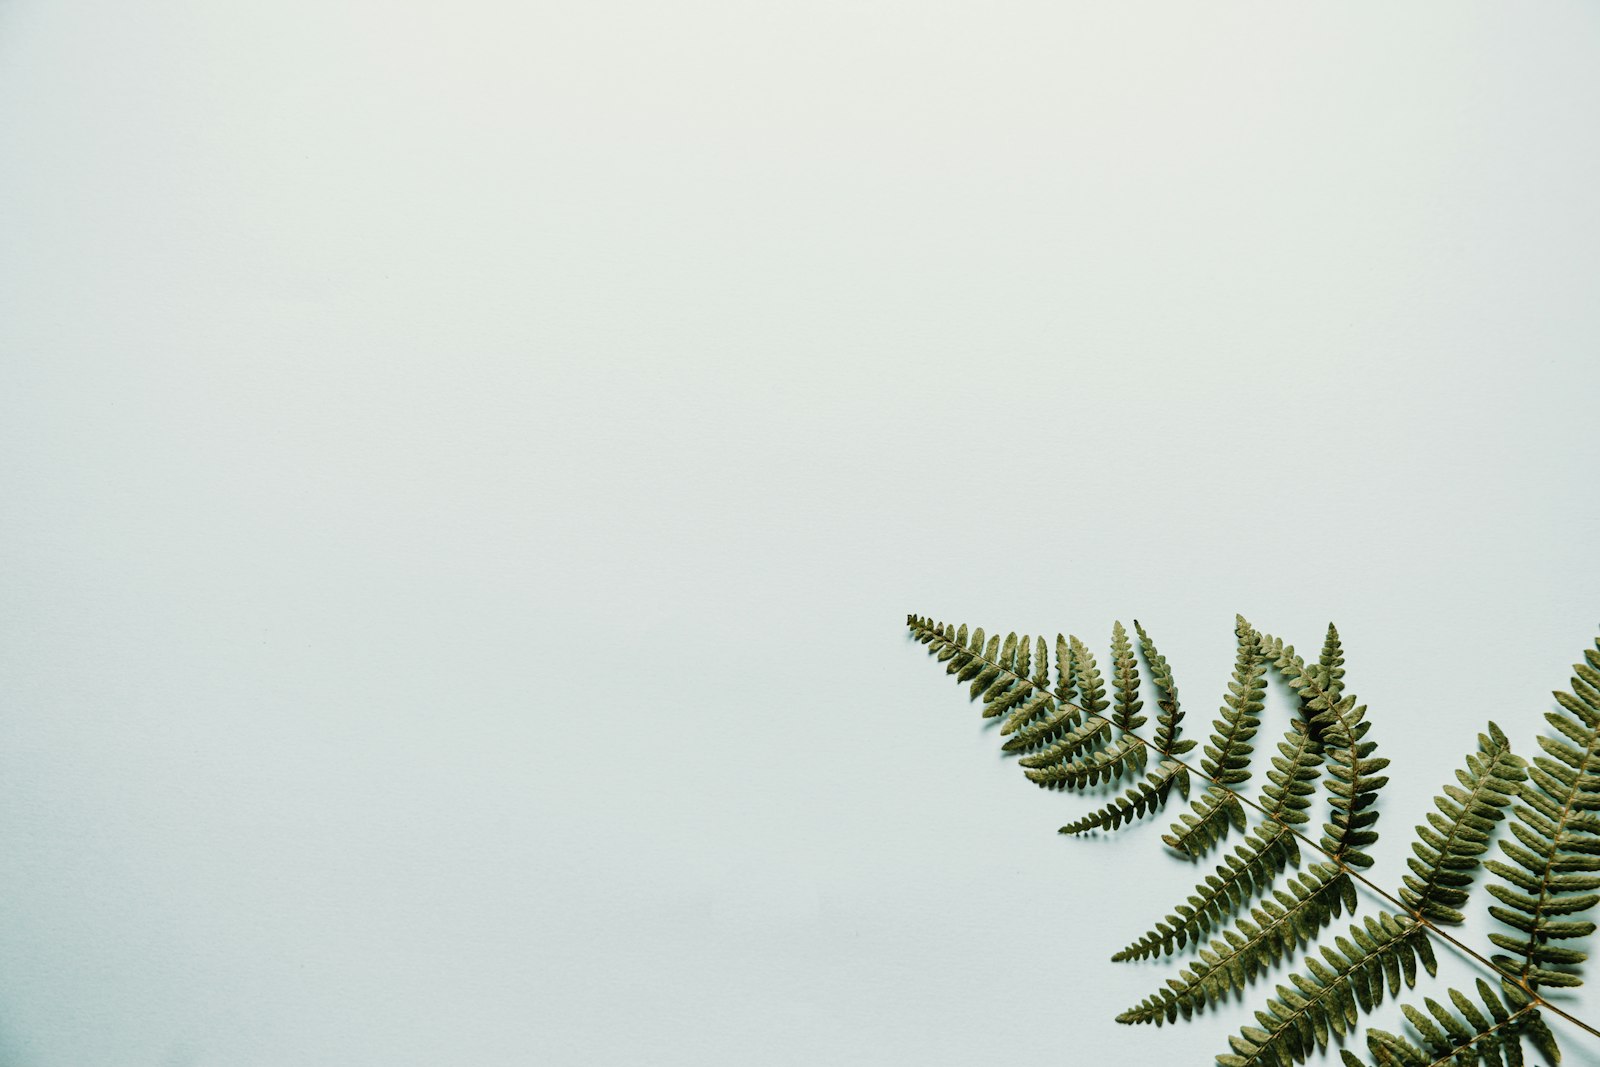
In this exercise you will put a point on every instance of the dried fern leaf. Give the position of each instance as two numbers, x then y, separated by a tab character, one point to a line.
1126	673
1056	725
1285	920
1169	720
1073	736
1227	755
1447	847
1353	779
1243	875
1087	735
1467	1036
1447	853
1213	814
1250	869
997	670
1292	782
1143	799
1556	857
1348	980
1125	755
1086	679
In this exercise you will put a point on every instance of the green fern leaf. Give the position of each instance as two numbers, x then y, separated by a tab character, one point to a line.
1293	779
1082	738
1447	854
1169	721
1348	980
1353	779
1284	921
1126	669
999	675
1250	869
1143	799
1034	709
1072	736
1125	755
1448	847
1213	814
1227	756
1469	1035
1243	875
1037	700
1056	727
1091	688
1557	857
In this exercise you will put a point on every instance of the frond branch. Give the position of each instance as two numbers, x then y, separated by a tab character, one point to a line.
928	632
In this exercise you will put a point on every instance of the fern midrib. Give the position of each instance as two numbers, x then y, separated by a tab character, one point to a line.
1549	863
1382	893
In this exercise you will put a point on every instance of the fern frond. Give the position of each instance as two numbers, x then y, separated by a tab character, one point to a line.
1143	799
1081	738
1169	720
1330	664
1038	706
1353	779
1126	716
1558	858
1253	945
1283	922
1213	814
1250	870
1447	848
1091	688
1064	670
1055	726
1048	714
1074	761
1227	756
998	671
1004	682
1243	875
1470	1035
1022	656
1038	699
1124	755
1348	980
1293	779
1071	735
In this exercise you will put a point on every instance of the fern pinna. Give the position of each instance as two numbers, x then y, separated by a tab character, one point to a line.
1273	897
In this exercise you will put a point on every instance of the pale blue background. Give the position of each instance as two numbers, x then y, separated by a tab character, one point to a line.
465	468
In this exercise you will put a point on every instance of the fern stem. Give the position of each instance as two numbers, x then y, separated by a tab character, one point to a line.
1536	1001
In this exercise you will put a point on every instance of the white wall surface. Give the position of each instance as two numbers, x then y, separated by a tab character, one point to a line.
465	468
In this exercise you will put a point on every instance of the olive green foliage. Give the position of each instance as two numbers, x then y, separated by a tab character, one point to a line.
1271	901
